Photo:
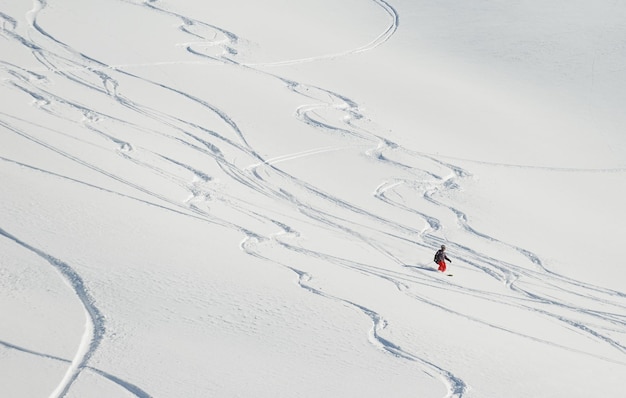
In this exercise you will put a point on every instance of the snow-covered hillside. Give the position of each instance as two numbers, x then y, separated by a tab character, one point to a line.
243	198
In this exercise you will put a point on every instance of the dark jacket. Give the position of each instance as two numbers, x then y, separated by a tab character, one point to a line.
440	256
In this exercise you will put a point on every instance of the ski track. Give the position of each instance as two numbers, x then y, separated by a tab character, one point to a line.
95	325
131	388
378	41
326	112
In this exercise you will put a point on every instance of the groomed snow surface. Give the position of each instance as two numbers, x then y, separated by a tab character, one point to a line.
243	198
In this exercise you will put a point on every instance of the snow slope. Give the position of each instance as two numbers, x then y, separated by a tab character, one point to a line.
242	199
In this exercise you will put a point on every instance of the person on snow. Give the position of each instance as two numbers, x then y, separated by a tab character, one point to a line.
440	258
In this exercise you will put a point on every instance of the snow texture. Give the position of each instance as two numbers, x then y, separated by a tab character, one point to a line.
243	198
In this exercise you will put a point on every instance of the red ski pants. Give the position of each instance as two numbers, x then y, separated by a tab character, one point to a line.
442	266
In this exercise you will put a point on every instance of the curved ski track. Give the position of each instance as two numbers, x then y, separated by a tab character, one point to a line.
94	330
222	141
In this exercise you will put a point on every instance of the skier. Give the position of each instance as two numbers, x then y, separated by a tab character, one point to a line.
440	258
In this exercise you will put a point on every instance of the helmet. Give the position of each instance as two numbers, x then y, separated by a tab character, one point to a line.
443	247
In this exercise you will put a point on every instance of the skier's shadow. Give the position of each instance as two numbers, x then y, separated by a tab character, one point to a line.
421	267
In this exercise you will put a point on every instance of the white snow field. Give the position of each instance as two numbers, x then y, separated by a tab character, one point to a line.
239	198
